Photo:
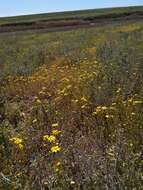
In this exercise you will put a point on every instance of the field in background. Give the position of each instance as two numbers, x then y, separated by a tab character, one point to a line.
69	20
71	112
69	15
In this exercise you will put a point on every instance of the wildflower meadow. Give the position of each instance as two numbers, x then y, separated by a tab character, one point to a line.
71	109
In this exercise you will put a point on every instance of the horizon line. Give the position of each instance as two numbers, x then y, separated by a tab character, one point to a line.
66	11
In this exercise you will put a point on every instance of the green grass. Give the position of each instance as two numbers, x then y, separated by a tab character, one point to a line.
67	15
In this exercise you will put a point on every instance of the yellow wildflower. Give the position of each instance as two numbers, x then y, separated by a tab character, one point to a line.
72	182
20	146
130	100
109	116
55	149
56	132
16	140
50	138
98	109
45	137
55	125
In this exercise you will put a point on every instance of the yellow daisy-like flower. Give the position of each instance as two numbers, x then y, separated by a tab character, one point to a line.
56	132
50	138
20	146
55	149
55	125
16	140
45	137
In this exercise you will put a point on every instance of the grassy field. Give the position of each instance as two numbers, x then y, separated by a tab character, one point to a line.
71	112
69	15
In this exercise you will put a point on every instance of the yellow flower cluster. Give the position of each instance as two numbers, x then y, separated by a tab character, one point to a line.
17	141
55	149
52	139
99	109
56	132
133	102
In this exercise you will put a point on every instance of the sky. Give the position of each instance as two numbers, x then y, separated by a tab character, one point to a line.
23	7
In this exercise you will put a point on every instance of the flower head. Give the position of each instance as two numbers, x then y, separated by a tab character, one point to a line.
50	138
16	140
20	146
56	132
45	137
55	125
55	149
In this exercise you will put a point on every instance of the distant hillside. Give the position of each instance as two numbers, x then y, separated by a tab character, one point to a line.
69	15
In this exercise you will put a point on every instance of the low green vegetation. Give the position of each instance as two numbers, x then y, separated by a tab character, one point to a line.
68	15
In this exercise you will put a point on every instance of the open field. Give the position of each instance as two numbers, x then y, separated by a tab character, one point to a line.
69	15
76	19
71	107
